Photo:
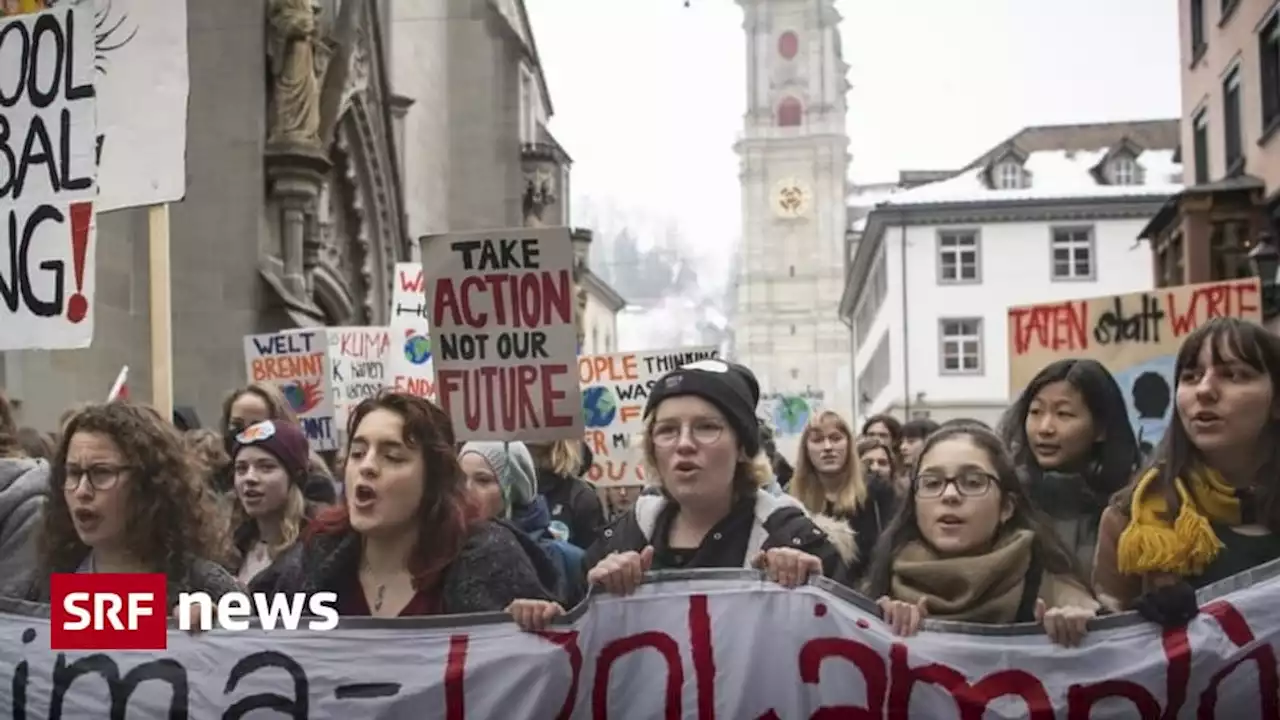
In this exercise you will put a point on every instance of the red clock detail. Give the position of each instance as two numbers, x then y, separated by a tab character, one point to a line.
788	45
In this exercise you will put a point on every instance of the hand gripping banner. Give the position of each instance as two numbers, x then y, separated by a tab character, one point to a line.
700	645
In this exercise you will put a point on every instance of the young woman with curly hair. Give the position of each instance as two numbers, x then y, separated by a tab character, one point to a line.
407	541
124	498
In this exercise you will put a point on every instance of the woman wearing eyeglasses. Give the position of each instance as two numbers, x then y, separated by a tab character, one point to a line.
966	545
702	444
125	498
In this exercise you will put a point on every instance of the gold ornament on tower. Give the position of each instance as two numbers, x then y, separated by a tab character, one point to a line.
791	198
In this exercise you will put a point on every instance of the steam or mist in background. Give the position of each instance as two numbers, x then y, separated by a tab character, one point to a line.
649	98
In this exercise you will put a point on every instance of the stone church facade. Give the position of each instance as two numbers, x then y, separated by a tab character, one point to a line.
794	160
293	214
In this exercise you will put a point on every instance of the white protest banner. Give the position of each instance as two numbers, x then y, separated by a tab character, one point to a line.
615	388
357	369
47	179
409	367
297	363
502	307
139	48
705	644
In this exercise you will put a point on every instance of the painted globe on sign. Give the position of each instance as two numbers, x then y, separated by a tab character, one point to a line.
599	407
417	349
790	414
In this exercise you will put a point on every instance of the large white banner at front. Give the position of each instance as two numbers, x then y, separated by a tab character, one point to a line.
729	648
139	57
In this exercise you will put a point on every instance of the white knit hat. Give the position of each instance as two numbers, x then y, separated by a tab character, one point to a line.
513	466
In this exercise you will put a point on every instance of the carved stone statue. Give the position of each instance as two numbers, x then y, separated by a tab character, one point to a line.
293	34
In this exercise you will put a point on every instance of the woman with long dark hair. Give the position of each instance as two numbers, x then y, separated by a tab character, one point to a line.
1208	506
124	497
967	545
407	540
1072	443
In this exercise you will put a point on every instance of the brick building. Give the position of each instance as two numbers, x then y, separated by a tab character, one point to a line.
1230	145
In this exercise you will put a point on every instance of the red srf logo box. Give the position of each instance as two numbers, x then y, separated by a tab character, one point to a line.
108	611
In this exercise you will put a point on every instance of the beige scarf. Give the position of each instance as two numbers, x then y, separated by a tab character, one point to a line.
980	588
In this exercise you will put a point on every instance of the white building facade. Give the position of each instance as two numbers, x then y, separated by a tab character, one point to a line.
938	266
794	158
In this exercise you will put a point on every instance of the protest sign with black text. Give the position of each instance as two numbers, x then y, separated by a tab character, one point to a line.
48	170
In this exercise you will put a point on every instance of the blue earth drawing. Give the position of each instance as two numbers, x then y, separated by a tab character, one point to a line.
790	414
599	406
417	349
1148	396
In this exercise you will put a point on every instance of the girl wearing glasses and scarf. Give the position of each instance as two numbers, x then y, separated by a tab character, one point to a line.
966	545
702	444
125	498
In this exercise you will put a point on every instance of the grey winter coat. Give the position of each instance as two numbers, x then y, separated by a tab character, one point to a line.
24	488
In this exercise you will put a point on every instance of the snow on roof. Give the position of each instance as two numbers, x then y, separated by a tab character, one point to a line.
1054	174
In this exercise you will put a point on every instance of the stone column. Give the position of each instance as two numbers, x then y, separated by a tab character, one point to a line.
296	180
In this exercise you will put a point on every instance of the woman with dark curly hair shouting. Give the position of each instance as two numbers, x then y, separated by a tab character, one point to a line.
125	498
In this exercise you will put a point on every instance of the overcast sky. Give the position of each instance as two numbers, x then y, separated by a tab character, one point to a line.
649	95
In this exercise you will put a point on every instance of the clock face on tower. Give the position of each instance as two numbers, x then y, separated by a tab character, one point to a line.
791	198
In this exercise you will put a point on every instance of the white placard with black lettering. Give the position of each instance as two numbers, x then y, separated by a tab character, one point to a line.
48	171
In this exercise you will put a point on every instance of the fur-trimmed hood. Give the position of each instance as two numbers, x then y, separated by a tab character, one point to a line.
840	535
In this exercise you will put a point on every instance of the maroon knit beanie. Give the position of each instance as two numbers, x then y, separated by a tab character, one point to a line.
284	440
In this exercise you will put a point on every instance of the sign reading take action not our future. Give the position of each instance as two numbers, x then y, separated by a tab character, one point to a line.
503	338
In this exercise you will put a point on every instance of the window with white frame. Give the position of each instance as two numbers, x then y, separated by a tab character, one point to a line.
1009	175
1124	170
1073	253
528	112
960	348
958	256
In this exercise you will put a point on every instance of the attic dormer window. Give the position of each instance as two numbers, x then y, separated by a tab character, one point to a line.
1124	170
1009	175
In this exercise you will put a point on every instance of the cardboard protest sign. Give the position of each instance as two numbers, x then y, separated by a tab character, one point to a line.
711	644
615	388
357	369
503	338
1135	335
297	362
409	367
48	171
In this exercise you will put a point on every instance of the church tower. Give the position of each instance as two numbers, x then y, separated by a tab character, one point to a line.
794	159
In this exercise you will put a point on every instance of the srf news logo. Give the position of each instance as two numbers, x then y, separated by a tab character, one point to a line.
106	611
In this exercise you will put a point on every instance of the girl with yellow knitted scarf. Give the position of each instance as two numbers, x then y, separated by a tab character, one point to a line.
1203	511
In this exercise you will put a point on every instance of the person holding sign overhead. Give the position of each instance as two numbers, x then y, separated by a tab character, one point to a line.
702	445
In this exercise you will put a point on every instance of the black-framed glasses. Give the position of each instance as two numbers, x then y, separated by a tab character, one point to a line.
101	477
703	432
969	483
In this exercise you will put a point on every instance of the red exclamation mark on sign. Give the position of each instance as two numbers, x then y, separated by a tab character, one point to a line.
81	219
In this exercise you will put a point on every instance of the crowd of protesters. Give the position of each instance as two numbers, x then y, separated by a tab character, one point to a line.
1054	516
